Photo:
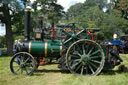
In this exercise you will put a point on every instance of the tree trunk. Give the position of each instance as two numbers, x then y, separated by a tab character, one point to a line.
9	35
9	39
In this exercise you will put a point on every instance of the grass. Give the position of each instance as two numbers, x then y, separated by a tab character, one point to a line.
51	75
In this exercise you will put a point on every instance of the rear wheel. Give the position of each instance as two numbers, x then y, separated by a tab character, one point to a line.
85	57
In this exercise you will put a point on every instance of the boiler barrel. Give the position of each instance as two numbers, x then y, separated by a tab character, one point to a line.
44	49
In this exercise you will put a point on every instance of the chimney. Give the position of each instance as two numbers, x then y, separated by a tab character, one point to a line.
27	24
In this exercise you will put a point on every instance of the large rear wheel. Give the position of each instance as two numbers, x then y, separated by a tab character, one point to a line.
85	57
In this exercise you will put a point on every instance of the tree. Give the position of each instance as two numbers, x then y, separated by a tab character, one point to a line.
55	13
2	41
8	9
49	8
92	15
122	5
75	10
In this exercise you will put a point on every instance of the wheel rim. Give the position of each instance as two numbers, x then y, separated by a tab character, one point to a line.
22	63
85	57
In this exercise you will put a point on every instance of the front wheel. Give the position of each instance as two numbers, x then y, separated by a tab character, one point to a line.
22	63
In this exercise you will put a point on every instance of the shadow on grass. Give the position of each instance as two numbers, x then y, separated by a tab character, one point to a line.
106	72
4	56
51	63
43	71
111	72
48	71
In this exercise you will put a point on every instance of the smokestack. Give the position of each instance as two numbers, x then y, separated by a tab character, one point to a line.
40	22
52	24
27	24
41	26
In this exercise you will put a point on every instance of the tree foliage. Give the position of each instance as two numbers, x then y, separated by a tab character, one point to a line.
49	8
109	16
2	42
8	11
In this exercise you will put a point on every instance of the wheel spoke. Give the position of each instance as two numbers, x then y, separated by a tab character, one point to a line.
77	53
24	56
88	45
90	51
78	47
96	61
94	57
91	69
18	69
95	52
78	67
19	60
93	65
28	64
26	60
83	49
74	48
82	69
73	66
76	60
74	56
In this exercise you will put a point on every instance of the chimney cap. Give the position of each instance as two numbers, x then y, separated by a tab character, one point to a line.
28	8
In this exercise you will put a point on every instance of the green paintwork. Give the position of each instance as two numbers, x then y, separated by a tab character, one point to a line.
38	48
54	48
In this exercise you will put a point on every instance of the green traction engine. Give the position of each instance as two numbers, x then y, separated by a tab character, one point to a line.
78	52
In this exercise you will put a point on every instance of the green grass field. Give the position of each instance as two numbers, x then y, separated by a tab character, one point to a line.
51	75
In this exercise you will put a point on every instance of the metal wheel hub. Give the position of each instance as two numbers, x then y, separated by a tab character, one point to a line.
22	66
84	59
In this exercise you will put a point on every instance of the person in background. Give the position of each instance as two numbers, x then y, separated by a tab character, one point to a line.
15	46
115	36
123	45
20	42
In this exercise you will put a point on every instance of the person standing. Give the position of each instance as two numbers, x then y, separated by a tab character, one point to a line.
15	46
124	45
115	36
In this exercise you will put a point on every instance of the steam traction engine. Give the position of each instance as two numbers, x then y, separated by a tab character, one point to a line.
78	53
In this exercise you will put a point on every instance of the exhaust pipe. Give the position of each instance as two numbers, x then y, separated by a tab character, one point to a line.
27	24
40	21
